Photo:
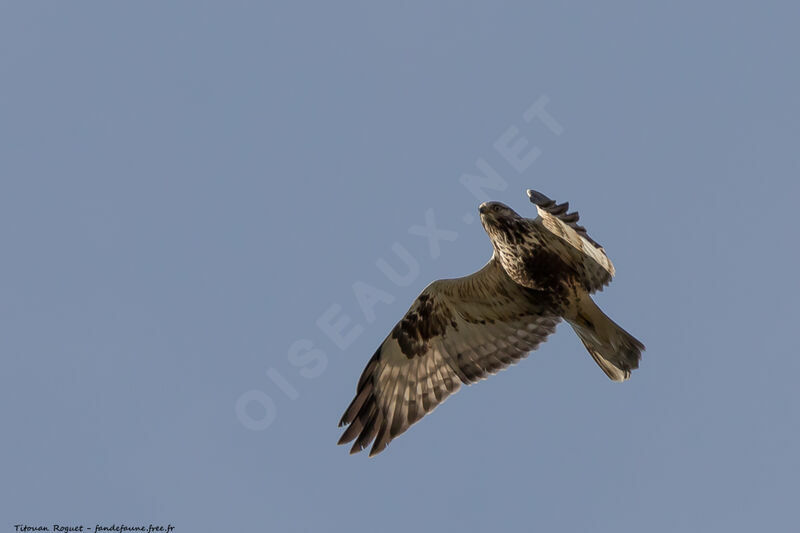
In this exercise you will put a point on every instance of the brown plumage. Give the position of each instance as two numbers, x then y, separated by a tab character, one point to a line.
460	331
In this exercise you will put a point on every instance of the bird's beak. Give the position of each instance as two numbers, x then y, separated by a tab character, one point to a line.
484	208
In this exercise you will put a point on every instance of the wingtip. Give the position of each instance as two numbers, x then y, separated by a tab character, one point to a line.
356	449
539	198
378	447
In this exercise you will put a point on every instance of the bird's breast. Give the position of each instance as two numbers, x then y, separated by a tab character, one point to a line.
534	266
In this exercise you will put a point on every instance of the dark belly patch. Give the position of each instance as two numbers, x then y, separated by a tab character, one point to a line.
545	270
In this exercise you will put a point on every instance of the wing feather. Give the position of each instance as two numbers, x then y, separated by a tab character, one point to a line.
457	331
573	243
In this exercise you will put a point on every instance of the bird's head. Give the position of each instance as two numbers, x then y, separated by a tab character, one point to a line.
501	223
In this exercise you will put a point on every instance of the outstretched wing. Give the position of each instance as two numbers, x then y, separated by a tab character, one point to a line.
572	242
457	331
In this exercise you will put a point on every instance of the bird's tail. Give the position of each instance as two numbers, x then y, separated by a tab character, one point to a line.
614	349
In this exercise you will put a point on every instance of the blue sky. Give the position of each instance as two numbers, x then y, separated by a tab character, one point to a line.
189	188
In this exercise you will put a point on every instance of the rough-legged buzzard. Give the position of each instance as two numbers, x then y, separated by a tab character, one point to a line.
462	330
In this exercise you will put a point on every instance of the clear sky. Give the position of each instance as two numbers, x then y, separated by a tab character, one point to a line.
189	192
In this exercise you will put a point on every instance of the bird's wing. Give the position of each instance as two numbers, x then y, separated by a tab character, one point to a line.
457	331
573	243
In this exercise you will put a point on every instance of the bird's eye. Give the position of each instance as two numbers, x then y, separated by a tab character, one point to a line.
496	208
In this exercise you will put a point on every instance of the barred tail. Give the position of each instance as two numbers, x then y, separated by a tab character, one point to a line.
615	350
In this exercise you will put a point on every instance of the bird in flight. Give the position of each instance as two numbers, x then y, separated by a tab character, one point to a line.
463	330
